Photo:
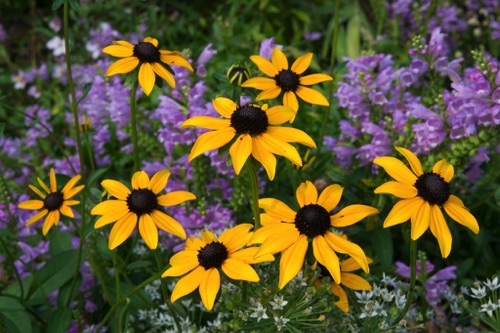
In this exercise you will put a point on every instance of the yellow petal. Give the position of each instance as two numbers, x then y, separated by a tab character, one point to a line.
352	214
72	192
264	65
343	302
37	217
261	234
268	94
224	106
302	63
147	78
265	157
123	43
110	207
420	223
238	270
342	245
402	211
159	181
277	209
66	211
53	182
209	287
175	198
260	83
290	100
37	191
31	204
440	230
279	60
163	73
279	114
292	260
113	215
193	244
170	58
313	79
326	257
151	40
279	147
207	122
355	282
396	169
116	189
168	224
187	284
239	151
122	66
460	214
397	189
444	169
311	96
412	160
44	187
119	51
248	255
122	230
290	134
148	231
52	218
351	265
207	236
236	237
211	140
275	243
306	194
70	184
140	180
330	197
182	267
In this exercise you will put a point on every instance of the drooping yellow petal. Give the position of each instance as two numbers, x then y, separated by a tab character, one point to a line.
279	60
343	302
116	189
66	211
146	78
171	58
292	260
224	106
37	217
277	209
311	79
53	182
355	282
52	218
248	255
119	51
122	66
117	210
168	224
140	180
174	198
397	189
290	100
275	243
181	267
211	140
412	159
187	284
239	151
261	234
352	214
31	204
420	223
444	169
159	181
207	122
311	96
440	230
37	191
238	270
350	264
396	169
268	94
265	157
264	65
148	231
330	197
279	114
342	245
326	257
402	211
121	230
209	287
290	134
279	147
461	214
163	73
237	237
306	194
302	63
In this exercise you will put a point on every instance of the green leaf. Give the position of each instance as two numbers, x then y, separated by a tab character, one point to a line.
10	304
16	321
59	242
353	37
64	296
59	321
56	4
2	128
75	5
138	264
86	88
383	246
94	176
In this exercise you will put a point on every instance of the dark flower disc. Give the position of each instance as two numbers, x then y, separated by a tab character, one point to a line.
433	188
212	255
312	220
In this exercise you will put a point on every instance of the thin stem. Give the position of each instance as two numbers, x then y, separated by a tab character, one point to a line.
413	279
11	262
164	290
117	287
78	263
133	123
254	183
74	103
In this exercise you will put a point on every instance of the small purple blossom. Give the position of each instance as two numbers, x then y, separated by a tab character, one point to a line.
267	46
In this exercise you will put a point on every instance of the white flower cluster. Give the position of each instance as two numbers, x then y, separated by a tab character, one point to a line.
487	289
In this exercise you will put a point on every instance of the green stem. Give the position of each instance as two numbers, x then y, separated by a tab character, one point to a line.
117	287
164	291
413	279
254	183
133	123
11	262
78	264
74	105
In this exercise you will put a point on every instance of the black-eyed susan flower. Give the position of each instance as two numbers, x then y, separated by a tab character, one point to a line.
291	232
349	281
150	58
238	74
203	258
423	194
290	81
256	135
54	202
140	205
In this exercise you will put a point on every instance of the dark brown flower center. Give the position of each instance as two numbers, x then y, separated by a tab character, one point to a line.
142	201
237	75
147	52
433	188
53	201
212	255
312	220
287	80
249	119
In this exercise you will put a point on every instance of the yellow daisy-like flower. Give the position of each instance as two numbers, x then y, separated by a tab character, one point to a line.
349	280
203	258
149	56
253	125
287	80
423	194
141	204
291	232
54	202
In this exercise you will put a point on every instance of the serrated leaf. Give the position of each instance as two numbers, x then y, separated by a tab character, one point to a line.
56	4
